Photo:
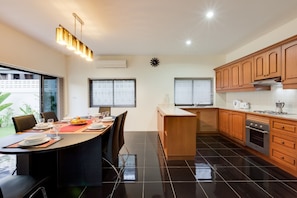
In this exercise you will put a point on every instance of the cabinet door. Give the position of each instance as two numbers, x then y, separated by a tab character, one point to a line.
219	83
208	120
246	77
224	122
237	126
273	67
235	71
259	64
289	63
226	78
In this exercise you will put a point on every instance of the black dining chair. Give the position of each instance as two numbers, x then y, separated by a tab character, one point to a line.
23	186
24	122
110	149
49	115
121	132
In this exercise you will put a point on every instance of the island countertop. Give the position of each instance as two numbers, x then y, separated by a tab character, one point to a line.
171	110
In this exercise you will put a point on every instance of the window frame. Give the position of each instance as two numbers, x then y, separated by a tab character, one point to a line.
193	100
91	102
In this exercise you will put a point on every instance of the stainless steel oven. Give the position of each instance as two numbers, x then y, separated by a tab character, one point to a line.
257	136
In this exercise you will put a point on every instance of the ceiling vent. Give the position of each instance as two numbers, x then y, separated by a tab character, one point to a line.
111	64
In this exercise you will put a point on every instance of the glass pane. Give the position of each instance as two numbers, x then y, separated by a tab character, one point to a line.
124	93
183	92
202	92
50	88
102	93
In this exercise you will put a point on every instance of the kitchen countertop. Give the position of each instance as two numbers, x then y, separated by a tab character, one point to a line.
172	110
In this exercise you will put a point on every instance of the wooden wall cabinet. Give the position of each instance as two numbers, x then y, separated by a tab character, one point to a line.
223	79
232	125
283	139
267	64
289	65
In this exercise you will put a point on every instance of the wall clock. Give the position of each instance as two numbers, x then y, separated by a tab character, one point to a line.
155	62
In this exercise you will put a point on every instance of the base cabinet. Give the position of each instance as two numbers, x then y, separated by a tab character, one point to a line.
232	125
207	119
177	135
283	140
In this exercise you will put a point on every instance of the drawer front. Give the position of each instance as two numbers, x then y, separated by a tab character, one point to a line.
286	143
283	158
284	126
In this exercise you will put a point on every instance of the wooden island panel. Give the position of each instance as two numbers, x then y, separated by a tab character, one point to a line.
177	133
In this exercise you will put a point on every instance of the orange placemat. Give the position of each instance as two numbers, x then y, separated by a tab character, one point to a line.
73	128
44	145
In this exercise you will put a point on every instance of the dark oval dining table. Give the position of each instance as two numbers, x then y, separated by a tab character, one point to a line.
75	160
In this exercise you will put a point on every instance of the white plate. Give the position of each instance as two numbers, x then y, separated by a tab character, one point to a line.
35	138
107	120
96	127
41	127
65	120
26	143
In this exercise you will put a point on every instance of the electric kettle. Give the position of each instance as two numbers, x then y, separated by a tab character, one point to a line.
236	104
279	106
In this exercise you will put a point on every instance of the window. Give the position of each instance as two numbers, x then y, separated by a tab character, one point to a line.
193	91
112	92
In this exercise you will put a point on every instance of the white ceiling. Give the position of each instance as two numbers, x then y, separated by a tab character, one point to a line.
150	27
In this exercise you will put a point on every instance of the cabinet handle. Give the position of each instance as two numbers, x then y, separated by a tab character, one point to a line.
283	142
283	127
282	157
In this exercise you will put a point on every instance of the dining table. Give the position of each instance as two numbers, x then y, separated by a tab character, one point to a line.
75	159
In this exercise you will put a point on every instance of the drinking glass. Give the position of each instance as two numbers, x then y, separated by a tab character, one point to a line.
50	122
56	128
41	120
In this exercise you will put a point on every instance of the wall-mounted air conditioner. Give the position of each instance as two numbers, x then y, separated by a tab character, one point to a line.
111	63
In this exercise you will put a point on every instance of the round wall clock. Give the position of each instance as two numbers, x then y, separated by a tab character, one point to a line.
155	62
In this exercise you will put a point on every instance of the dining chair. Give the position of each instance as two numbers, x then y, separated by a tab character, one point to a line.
22	186
104	109
110	149
49	115
121	132
24	122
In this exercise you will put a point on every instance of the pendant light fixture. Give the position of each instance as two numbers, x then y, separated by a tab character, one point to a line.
64	37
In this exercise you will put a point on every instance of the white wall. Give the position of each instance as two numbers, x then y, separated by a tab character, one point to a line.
265	100
23	52
152	83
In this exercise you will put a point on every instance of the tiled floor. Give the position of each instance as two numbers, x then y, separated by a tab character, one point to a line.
220	169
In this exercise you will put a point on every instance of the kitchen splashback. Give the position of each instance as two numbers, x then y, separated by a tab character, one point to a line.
265	100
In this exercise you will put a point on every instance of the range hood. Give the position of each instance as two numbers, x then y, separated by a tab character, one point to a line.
267	82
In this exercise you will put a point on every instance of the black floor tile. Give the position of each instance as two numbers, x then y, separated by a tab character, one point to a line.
158	190
218	189
255	173
248	189
231	174
188	189
207	152
217	161
181	174
238	161
278	189
226	152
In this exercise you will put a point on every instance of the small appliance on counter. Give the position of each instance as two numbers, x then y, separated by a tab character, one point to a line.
236	104
279	106
245	105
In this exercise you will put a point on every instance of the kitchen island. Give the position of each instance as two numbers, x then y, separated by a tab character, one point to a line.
177	132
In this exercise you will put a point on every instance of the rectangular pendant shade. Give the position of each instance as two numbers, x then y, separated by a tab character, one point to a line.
64	37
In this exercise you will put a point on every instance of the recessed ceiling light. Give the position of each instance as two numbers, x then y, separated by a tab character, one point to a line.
209	14
188	42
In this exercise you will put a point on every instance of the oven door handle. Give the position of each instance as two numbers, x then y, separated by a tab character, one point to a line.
248	127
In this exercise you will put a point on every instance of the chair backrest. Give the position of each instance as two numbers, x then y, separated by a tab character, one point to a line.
104	109
121	133
111	141
24	122
48	115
